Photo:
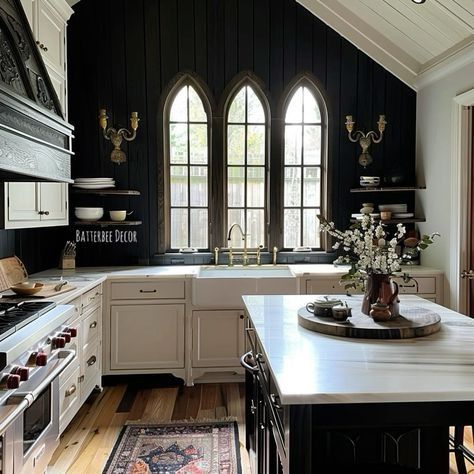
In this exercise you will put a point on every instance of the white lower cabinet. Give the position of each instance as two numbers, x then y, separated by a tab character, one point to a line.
147	336
218	338
426	286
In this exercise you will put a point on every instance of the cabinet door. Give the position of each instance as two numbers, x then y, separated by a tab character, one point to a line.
218	338
53	201
50	33
23	202
147	336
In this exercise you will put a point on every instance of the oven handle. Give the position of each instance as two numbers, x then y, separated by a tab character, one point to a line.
65	357
13	415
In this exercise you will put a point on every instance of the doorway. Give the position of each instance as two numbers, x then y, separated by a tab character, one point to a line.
462	205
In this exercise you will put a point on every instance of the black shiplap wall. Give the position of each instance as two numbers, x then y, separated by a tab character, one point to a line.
124	53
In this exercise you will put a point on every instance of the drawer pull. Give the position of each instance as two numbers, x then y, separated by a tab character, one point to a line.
92	361
93	325
72	389
148	291
81	379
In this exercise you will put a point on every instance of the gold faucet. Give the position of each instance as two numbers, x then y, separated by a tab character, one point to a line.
229	239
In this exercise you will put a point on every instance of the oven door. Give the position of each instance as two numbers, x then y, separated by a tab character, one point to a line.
37	430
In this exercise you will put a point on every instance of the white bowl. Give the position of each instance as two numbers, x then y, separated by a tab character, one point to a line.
118	215
89	213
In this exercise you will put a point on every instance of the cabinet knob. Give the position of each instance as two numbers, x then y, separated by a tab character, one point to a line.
43	213
93	325
42	46
92	361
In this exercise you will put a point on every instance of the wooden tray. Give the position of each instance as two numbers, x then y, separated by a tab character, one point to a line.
46	292
415	322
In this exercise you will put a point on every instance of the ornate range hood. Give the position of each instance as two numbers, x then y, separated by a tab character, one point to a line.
35	140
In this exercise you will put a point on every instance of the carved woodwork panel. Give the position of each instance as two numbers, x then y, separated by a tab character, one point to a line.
24	156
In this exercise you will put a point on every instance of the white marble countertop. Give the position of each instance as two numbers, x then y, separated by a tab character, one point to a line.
313	368
85	278
181	271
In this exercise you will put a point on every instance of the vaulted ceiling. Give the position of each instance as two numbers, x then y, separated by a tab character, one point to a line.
416	42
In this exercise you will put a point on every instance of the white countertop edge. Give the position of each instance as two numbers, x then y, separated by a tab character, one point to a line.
357	398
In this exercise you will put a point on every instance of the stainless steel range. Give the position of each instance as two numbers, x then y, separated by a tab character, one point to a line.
37	343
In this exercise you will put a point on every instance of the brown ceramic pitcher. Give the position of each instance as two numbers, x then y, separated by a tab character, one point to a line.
380	287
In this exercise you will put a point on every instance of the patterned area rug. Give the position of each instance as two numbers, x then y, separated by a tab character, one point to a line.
179	448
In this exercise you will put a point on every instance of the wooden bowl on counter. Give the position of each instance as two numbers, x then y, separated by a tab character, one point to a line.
26	288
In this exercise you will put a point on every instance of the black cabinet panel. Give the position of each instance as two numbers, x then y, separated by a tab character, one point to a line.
124	53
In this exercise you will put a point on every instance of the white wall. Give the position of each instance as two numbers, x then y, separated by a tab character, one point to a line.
434	148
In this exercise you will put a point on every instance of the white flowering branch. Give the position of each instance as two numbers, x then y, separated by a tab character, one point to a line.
368	248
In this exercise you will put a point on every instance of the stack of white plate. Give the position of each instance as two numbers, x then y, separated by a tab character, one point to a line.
393	208
369	181
94	183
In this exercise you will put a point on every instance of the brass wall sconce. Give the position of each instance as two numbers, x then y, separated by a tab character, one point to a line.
365	139
116	137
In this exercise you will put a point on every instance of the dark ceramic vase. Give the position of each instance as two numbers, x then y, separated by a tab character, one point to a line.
380	287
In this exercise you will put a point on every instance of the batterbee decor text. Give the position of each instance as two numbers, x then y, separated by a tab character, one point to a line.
107	236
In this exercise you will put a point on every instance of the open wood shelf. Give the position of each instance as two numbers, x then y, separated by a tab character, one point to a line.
107	223
107	192
386	189
396	221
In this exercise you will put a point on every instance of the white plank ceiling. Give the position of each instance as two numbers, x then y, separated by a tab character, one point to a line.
410	40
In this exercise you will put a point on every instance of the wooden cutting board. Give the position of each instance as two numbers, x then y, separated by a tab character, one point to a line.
12	272
414	322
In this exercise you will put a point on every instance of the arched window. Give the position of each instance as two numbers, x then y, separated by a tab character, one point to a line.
188	171
246	159
303	167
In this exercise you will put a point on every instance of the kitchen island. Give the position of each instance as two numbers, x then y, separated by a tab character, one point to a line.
318	403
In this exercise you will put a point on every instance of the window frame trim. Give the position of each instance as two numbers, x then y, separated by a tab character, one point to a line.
200	87
235	85
306	79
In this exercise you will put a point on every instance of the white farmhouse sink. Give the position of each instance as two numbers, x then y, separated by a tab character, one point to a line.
223	287
245	272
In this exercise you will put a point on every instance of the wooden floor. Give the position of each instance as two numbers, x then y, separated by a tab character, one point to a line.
87	442
89	439
469	442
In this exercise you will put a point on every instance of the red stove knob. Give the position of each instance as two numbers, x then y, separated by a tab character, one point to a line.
13	381
58	342
41	359
23	372
66	336
72	331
